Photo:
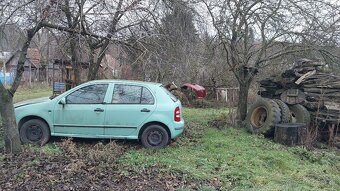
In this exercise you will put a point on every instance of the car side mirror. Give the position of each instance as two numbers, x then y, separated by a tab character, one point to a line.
62	101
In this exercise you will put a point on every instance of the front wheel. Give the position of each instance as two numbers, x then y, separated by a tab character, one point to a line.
155	136
34	131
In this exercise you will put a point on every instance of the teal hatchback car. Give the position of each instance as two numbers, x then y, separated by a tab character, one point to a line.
116	109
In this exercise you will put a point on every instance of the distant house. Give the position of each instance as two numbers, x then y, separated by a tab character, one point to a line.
32	66
48	60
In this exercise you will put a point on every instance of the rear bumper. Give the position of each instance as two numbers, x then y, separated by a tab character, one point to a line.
176	129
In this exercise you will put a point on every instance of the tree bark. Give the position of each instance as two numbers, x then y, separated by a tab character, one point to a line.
95	63
11	136
243	100
245	76
74	59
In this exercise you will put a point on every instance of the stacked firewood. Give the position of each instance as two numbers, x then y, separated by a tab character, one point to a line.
308	84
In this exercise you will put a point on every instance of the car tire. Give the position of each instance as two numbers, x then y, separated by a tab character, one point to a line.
299	114
285	112
155	137
262	116
34	131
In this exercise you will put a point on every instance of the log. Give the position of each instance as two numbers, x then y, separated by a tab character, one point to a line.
290	133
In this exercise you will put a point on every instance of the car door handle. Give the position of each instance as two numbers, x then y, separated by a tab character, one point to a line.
145	110
98	110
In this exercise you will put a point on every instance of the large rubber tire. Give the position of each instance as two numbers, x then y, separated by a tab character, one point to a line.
285	112
34	131
155	137
299	114
262	116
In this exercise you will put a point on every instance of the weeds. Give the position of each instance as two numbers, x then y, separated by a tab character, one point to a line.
204	158
229	158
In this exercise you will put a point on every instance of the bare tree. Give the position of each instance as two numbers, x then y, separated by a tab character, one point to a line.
101	24
13	13
254	33
170	51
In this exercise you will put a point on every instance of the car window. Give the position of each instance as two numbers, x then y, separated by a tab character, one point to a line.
131	94
147	97
92	94
126	94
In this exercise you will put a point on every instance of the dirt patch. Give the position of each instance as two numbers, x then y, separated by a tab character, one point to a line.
82	166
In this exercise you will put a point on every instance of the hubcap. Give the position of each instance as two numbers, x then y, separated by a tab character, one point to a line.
34	133
258	117
155	138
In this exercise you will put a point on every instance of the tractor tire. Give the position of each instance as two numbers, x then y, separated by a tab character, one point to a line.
299	114
285	112
262	116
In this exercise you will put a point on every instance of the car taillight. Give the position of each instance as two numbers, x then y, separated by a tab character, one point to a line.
177	115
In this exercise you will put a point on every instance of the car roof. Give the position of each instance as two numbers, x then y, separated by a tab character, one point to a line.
124	81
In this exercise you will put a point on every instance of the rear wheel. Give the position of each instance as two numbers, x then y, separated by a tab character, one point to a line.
155	136
262	116
299	114
34	131
285	112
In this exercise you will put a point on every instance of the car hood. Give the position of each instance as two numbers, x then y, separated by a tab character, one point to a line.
31	101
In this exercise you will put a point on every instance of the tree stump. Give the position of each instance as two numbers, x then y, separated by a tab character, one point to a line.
290	133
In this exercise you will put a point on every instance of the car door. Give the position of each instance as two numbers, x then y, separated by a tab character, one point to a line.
83	112
130	106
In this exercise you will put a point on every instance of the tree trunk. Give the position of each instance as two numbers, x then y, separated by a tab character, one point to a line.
94	65
74	59
245	76
243	100
11	136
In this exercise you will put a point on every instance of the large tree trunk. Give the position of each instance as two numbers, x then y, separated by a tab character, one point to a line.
74	59
243	100
245	77
11	136
94	65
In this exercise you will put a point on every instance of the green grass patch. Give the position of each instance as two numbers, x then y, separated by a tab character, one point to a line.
50	148
237	160
224	158
37	91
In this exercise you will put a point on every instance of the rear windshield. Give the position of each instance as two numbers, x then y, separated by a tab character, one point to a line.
174	98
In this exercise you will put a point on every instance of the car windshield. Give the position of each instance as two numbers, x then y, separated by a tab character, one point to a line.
174	98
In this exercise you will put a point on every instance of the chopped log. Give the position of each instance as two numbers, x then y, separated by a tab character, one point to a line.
303	77
320	90
332	106
290	133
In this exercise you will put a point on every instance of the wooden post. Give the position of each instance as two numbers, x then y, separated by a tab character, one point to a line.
30	74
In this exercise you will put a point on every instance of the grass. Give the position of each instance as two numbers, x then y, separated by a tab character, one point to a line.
234	159
225	158
37	91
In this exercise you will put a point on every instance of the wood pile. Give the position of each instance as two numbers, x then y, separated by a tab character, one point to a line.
176	91
308	84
